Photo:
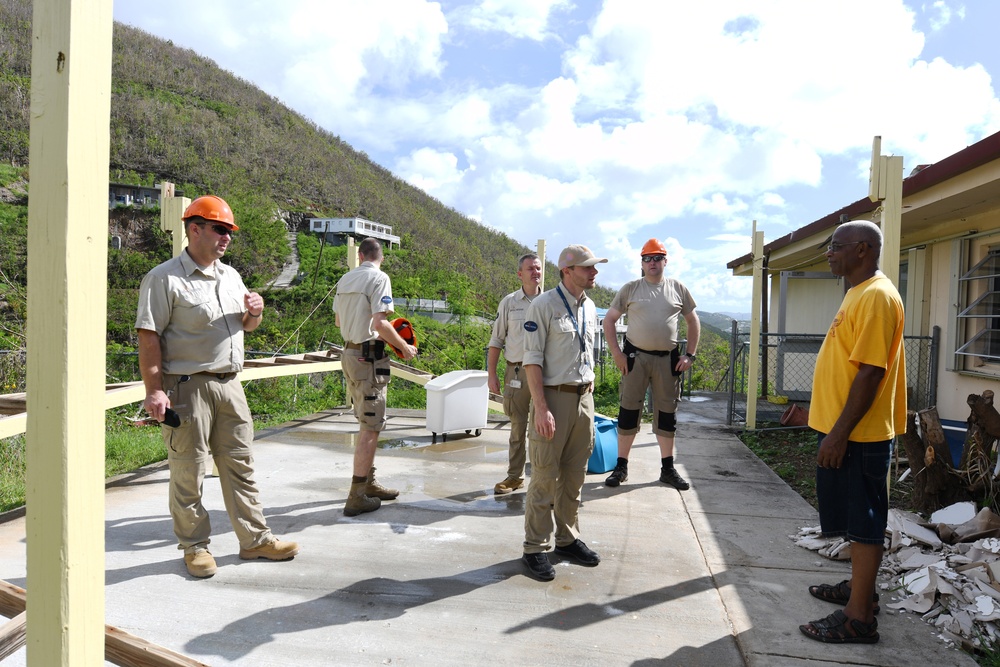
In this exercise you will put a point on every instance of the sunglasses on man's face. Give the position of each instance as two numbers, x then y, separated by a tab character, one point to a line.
652	258
221	230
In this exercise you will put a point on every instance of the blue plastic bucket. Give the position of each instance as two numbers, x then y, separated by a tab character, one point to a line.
605	454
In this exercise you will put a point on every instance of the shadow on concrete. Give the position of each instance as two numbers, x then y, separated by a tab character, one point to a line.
583	615
375	599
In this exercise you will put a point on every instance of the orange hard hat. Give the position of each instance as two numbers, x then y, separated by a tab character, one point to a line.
211	208
654	247
405	331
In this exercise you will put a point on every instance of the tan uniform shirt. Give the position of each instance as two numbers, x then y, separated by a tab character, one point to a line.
361	293
653	311
198	315
508	330
552	340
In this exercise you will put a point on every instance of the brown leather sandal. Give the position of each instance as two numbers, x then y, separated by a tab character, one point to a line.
838	629
837	593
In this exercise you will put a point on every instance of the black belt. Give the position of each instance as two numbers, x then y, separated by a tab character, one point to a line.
371	350
218	376
578	389
655	353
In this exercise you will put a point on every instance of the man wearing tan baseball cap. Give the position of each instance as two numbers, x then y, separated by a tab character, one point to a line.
559	330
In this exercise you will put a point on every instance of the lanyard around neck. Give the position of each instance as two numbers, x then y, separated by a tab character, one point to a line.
580	329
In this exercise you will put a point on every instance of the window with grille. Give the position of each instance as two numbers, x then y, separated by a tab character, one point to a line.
979	320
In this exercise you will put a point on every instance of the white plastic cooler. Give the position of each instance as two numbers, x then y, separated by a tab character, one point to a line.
457	401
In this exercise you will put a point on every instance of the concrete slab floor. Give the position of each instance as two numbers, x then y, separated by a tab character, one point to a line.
703	577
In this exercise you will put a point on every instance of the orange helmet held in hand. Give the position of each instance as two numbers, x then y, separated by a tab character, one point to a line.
653	247
405	331
211	208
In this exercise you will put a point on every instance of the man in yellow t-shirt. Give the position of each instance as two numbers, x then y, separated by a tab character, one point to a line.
858	406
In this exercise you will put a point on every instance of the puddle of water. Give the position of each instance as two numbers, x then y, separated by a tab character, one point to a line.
425	445
697	399
398	444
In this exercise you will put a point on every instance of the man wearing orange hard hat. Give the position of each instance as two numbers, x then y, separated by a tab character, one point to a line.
650	357
193	312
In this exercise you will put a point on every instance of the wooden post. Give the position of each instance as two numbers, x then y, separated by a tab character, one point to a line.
171	210
540	251
758	288
892	211
67	313
352	253
885	184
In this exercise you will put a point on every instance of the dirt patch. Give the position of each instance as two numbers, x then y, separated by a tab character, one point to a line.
791	454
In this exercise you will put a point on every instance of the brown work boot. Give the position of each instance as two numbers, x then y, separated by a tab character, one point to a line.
508	485
376	490
274	550
358	502
200	564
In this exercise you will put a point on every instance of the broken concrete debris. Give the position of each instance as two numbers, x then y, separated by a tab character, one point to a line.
947	569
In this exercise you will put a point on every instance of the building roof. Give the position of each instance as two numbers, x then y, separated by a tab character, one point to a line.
928	200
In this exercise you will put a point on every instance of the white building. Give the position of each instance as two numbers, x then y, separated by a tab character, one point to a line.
338	229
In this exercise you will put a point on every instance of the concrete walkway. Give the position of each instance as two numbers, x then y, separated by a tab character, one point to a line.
706	577
290	270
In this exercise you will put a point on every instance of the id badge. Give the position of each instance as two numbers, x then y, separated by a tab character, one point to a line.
514	384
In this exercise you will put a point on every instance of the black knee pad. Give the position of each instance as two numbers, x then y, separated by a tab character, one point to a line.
628	418
666	421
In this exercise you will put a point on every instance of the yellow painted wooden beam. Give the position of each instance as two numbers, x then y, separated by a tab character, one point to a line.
754	374
67	321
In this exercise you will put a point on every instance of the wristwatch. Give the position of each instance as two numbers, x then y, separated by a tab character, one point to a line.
690	356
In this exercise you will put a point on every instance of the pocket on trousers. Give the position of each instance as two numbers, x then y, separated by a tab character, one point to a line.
381	372
875	460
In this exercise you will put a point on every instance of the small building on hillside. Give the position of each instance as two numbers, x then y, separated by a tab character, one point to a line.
124	194
949	277
337	230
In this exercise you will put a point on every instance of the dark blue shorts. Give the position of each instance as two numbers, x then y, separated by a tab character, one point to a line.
854	499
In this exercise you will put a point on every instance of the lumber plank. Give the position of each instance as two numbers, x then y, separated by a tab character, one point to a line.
12	599
120	647
13	634
127	650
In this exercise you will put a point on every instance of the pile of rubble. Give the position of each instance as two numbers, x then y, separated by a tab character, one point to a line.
947	569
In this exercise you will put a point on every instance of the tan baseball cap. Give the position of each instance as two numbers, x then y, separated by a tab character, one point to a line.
579	255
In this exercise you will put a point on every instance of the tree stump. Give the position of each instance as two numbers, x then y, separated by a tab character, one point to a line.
977	459
935	482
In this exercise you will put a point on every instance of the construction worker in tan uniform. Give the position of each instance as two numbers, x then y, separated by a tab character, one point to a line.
560	327
193	311
362	302
508	335
651	358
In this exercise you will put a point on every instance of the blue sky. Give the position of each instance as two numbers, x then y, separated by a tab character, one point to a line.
611	122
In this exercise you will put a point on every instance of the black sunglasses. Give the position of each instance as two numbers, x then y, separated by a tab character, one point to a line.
646	259
221	230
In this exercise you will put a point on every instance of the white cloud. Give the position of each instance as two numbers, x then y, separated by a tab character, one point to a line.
429	170
528	19
639	118
941	13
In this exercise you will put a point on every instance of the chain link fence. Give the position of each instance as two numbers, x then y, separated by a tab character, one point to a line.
787	362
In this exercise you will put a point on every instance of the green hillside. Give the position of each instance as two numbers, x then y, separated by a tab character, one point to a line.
176	116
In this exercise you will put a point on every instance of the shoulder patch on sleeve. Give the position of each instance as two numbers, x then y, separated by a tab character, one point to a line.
530	326
387	299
